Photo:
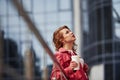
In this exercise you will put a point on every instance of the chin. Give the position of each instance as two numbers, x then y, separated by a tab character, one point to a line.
74	39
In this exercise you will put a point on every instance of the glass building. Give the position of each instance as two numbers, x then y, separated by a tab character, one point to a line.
101	38
47	15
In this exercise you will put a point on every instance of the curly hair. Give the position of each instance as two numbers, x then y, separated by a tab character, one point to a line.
58	37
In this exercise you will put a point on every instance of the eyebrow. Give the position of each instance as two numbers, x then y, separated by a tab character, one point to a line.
65	30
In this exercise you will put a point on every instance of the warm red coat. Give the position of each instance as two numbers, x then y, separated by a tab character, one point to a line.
64	58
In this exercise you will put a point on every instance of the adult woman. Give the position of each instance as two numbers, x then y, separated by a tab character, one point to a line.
64	41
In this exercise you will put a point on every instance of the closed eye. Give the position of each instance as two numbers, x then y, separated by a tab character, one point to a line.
66	32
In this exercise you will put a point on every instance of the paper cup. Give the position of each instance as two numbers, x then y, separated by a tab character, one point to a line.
82	62
77	60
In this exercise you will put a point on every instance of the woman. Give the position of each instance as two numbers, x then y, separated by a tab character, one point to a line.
64	41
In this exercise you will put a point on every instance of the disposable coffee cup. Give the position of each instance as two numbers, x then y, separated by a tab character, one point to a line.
82	62
77	60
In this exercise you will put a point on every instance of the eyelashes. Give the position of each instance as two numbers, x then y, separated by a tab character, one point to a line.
66	32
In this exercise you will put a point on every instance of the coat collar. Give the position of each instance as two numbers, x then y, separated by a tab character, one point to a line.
62	50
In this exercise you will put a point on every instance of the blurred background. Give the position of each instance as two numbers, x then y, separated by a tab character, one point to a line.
96	24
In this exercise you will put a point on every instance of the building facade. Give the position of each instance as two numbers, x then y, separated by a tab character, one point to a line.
47	15
101	38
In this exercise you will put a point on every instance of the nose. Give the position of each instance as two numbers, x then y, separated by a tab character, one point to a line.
71	32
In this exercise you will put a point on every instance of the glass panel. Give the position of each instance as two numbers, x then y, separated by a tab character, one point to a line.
23	24
65	4
117	32
117	70
65	16
85	22
51	5
51	26
108	48
38	6
116	17
11	9
3	7
116	10
13	20
52	17
3	21
39	18
117	47
84	4
14	29
27	5
14	36
109	71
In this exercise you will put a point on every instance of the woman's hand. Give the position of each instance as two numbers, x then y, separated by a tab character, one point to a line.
73	64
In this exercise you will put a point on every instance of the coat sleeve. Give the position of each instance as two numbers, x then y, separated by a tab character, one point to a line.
86	68
56	74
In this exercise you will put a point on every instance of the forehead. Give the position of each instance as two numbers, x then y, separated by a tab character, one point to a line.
64	30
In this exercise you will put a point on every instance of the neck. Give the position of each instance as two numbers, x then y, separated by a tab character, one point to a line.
68	46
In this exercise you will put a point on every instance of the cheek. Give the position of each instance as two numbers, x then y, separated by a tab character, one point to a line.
67	39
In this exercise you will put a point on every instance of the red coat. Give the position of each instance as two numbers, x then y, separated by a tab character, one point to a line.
64	58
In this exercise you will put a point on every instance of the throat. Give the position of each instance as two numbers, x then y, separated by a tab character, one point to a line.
68	47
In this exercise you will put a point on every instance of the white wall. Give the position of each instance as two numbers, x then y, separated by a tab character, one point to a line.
97	72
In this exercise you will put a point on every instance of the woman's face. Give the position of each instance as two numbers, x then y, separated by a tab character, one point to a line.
68	36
